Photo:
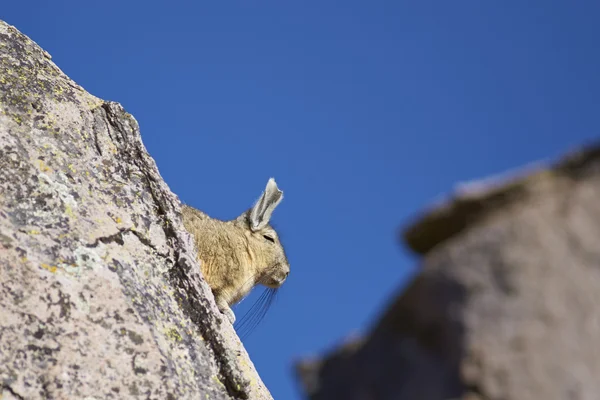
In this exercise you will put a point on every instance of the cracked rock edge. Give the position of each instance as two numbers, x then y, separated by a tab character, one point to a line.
183	274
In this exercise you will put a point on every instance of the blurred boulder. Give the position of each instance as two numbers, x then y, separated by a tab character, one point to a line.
101	296
506	303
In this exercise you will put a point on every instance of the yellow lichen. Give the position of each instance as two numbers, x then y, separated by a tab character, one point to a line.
69	211
216	379
173	334
43	166
49	268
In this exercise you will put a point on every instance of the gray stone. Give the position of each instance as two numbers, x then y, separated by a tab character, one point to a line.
506	304
101	295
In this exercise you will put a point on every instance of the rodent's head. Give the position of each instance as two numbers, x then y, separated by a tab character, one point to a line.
266	250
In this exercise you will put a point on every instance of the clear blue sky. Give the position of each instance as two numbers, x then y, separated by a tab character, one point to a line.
364	112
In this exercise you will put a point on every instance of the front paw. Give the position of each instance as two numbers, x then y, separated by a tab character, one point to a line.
228	312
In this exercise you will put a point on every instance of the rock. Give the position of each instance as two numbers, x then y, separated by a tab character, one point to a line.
101	295
506	304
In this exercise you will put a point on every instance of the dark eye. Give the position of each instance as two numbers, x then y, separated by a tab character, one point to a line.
269	238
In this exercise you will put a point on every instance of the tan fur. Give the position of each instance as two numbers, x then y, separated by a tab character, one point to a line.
234	255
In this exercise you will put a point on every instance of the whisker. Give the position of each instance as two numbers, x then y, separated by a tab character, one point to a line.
254	316
260	313
256	313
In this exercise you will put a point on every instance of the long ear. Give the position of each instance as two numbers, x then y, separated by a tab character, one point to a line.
260	213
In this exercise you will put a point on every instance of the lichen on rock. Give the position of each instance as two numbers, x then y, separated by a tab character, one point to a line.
101	295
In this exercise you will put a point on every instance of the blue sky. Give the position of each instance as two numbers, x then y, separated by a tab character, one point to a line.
364	112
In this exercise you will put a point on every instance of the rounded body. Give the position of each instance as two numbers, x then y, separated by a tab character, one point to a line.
237	255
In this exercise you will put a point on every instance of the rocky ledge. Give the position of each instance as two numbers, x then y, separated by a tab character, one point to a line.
101	295
506	303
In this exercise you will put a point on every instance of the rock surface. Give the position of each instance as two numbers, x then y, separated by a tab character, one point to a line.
100	292
506	304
